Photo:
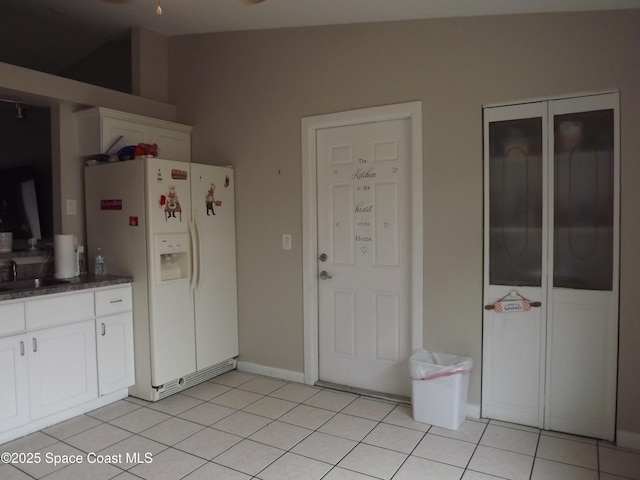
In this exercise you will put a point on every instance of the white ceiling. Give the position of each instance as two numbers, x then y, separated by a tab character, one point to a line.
109	17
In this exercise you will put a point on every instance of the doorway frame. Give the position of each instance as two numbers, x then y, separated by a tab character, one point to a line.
309	127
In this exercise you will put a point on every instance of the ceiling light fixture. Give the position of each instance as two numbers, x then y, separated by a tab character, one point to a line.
19	111
158	8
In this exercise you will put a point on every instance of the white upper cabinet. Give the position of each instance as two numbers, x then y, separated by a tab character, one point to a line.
99	127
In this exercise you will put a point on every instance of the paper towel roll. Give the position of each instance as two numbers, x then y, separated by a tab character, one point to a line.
64	249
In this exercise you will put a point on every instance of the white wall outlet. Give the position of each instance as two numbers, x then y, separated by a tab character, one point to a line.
71	207
286	241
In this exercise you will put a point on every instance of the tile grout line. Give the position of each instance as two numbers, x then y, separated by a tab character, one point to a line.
535	455
412	450
475	449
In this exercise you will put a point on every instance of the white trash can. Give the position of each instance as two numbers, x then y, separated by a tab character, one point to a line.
440	383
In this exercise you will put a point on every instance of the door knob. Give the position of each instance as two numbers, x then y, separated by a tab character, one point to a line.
324	275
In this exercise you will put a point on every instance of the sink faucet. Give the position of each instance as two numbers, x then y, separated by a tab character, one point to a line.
14	269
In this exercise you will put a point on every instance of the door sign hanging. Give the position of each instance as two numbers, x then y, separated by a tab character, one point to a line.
512	302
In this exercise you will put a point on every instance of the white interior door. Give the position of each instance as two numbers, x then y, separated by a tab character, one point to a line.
364	244
551	236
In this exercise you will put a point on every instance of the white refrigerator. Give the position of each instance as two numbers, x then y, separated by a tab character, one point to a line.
171	225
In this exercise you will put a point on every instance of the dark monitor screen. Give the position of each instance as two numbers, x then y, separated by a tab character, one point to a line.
18	203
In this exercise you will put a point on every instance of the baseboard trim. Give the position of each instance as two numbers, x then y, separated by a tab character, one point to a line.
630	440
280	373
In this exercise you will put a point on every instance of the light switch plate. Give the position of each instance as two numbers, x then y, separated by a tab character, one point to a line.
71	207
286	241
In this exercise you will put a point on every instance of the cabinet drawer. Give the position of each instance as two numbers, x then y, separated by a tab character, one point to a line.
49	311
11	318
113	300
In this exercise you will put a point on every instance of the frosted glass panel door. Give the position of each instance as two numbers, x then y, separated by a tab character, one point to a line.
515	186
582	311
515	262
583	227
551	237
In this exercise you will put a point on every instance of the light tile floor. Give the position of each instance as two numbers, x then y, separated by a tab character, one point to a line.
240	426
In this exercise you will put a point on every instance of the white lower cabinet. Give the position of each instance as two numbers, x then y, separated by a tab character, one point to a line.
114	335
62	368
14	393
52	369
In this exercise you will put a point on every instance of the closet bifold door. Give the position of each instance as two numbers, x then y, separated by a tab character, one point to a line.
551	264
582	318
515	267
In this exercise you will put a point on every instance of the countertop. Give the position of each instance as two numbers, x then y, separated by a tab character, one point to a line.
81	282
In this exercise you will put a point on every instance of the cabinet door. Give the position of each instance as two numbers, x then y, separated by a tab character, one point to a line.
115	352
172	144
133	133
62	367
14	394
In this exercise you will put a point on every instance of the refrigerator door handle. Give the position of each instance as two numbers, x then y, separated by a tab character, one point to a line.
194	255
198	245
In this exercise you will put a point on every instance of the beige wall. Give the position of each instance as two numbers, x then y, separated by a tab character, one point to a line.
246	92
149	61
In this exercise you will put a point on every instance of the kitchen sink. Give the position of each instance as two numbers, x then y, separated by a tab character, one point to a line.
31	284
